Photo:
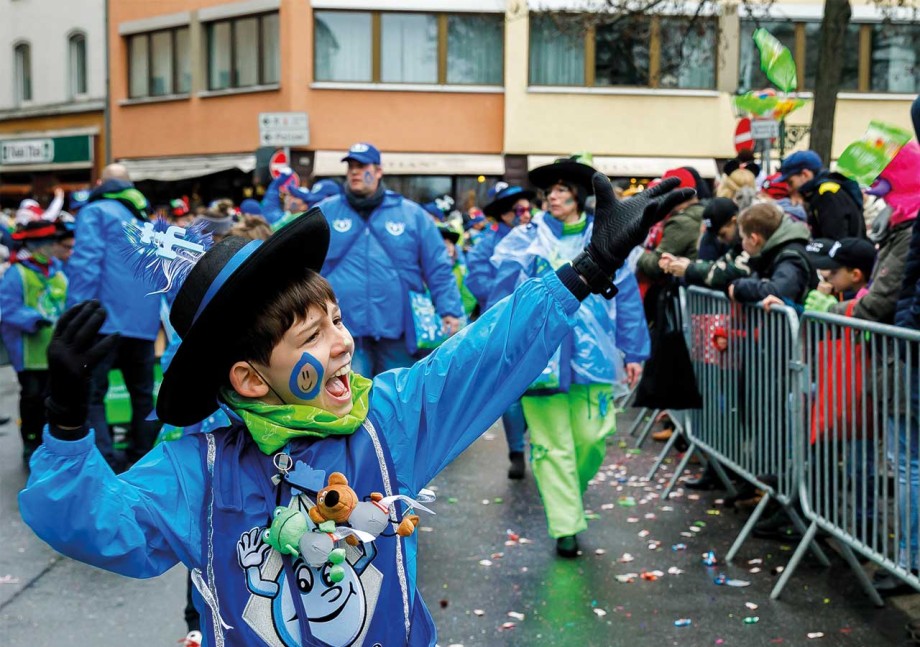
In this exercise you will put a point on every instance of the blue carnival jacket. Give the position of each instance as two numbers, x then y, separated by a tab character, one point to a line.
372	265
606	333
17	318
100	269
481	272
202	499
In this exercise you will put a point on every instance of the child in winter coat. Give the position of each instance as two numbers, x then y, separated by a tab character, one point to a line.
32	296
779	262
263	338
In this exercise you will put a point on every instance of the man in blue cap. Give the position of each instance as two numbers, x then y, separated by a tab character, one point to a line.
385	253
835	203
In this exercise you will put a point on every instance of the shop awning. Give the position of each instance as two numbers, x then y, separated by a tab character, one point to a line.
329	163
637	167
170	169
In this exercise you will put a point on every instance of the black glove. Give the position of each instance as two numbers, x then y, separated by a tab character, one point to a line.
72	355
621	225
43	323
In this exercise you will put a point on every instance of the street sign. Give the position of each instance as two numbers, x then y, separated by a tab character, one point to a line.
284	129
743	139
762	129
277	163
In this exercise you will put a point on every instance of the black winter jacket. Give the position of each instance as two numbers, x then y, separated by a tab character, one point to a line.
782	268
835	208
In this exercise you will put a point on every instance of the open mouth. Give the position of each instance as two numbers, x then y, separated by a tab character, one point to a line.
338	387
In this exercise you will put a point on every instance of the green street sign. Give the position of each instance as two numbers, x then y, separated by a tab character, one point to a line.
47	151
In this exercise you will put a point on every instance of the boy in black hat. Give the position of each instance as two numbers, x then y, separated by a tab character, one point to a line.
847	264
262	336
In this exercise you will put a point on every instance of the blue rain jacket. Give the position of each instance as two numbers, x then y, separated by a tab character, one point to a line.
481	273
100	269
607	333
198	499
372	265
16	317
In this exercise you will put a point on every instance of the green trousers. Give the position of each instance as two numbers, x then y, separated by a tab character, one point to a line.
568	434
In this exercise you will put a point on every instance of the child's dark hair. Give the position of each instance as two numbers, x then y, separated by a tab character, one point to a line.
763	218
287	308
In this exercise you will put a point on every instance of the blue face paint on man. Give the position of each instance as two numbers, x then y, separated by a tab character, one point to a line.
306	377
368	178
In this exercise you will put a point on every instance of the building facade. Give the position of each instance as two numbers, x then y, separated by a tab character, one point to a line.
52	103
458	92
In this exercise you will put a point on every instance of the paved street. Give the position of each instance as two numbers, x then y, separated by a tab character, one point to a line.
472	580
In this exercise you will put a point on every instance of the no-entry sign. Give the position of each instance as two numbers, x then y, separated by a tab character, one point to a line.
744	141
279	161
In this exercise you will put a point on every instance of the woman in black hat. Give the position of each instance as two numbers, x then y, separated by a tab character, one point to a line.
569	410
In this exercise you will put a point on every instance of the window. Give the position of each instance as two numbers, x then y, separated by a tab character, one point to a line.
77	64
343	46
895	58
409	48
557	51
849	76
22	56
750	76
158	63
404	47
637	50
243	52
475	46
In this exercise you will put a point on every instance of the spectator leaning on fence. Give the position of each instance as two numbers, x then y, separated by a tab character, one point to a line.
847	265
779	263
721	221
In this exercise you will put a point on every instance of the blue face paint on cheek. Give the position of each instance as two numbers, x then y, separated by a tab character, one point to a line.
368	177
306	378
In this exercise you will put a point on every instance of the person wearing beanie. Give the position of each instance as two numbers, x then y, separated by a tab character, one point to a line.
720	217
507	205
569	409
677	235
32	297
834	201
781	194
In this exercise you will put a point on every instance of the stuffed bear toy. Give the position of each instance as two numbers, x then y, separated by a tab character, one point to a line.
337	502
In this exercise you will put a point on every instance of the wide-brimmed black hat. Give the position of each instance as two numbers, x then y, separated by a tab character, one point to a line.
220	300
566	169
505	199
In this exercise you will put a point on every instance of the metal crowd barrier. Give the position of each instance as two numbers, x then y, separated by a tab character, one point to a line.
859	429
744	359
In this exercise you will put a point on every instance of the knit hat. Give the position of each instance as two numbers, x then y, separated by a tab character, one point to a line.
775	188
687	181
731	185
28	210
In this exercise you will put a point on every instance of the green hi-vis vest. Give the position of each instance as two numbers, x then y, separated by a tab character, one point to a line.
47	295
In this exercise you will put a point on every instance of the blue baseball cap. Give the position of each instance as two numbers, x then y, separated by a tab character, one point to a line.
78	199
251	207
798	162
363	153
322	190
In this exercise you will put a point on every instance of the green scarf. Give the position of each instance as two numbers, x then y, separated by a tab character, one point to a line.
273	425
569	229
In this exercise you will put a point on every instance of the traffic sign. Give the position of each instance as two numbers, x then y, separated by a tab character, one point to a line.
284	129
762	129
278	163
743	139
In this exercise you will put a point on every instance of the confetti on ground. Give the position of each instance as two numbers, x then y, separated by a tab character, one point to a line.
600	551
516	616
738	584
627	578
632	520
816	634
9	579
751	606
478	613
755	570
600	613
675	571
751	562
682	622
506	626
650	515
677	547
426	529
485	562
686	534
608	506
751	620
695	529
626	558
644	533
627	502
451	499
709	559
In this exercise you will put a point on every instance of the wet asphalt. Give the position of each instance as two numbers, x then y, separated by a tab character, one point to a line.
489	572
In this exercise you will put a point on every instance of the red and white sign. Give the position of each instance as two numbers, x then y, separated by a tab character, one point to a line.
278	162
744	141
